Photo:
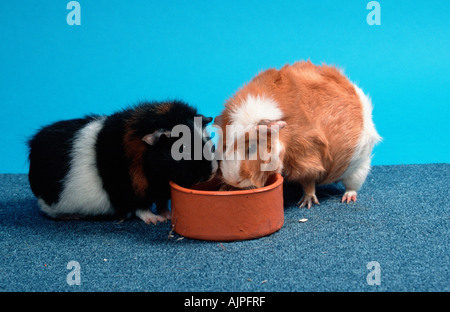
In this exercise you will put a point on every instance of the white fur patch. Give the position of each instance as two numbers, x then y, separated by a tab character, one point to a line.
244	118
359	166
253	110
83	192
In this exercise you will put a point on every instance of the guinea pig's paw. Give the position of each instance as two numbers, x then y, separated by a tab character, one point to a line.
308	200
148	217
349	196
166	214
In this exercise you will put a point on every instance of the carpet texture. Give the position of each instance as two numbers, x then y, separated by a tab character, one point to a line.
400	221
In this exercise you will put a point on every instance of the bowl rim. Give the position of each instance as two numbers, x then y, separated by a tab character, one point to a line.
278	181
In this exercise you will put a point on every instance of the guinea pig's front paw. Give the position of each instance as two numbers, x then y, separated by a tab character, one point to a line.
308	200
349	196
148	217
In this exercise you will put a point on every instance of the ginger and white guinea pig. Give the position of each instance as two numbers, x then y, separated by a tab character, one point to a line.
317	127
115	165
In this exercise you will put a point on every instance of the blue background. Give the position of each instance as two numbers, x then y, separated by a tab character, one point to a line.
203	51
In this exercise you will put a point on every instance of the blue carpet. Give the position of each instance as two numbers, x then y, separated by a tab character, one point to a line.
401	221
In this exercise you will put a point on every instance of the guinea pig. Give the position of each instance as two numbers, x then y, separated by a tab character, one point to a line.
118	165
314	123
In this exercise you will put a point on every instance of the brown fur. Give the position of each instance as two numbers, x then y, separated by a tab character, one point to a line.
324	121
135	147
164	108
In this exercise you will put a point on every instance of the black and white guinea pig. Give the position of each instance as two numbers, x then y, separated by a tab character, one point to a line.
118	164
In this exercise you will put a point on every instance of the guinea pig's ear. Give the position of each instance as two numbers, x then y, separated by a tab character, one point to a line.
205	120
272	125
218	121
153	138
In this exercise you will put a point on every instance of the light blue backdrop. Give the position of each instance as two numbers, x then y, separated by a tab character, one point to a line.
202	51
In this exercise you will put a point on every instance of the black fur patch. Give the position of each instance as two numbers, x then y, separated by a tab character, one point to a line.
49	157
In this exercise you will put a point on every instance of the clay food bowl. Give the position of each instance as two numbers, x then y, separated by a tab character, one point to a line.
203	212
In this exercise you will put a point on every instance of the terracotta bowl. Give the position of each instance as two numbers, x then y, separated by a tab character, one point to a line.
204	213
